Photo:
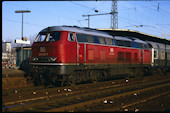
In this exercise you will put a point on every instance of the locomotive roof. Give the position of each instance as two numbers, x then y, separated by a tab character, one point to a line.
122	38
77	30
129	39
138	40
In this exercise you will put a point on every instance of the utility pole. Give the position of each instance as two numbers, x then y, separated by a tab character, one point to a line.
114	16
94	15
22	11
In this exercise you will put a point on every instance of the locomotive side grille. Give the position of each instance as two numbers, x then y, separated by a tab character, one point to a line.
44	59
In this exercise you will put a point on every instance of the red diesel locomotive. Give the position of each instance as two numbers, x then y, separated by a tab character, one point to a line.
63	55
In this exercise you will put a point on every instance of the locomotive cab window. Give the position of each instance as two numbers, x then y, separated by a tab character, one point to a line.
41	37
71	37
54	36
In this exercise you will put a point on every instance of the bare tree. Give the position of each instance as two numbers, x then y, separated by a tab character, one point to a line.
32	38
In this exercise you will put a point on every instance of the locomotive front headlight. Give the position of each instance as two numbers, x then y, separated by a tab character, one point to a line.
52	59
34	59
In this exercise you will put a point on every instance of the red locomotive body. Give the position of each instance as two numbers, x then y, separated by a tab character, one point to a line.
61	53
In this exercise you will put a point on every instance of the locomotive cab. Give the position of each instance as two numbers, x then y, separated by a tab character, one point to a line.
51	47
53	54
45	46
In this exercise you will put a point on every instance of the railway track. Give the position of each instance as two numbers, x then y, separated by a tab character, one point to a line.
115	95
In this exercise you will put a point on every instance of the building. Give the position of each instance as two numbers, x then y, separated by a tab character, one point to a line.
27	52
8	56
6	47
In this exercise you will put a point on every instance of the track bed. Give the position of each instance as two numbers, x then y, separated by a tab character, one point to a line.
115	95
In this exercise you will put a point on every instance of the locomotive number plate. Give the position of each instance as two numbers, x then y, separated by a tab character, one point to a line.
42	49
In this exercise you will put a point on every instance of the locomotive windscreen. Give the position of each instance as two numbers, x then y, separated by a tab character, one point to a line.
52	36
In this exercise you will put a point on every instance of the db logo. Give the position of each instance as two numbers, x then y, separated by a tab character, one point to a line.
42	49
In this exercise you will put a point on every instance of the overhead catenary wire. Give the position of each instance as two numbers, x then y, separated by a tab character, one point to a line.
24	22
157	28
46	13
90	8
163	29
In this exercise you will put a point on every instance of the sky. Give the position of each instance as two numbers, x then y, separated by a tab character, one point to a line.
153	15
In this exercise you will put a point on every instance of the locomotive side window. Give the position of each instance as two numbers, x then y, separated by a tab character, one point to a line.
102	40
146	47
54	36
41	37
96	39
128	44
119	43
90	39
139	45
81	38
114	41
71	37
109	41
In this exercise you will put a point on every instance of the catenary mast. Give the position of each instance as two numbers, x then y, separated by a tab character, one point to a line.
114	15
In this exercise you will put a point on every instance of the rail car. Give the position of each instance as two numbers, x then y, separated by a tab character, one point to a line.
63	55
160	56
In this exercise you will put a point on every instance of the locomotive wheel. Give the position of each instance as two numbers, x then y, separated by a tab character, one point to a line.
93	76
36	80
71	81
98	75
56	80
